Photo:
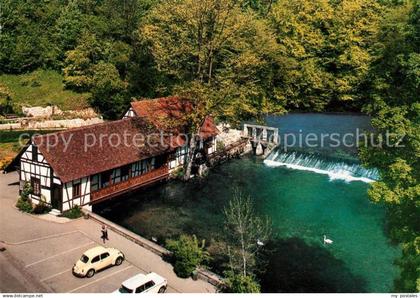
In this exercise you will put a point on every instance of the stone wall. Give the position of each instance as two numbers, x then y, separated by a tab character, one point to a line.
27	123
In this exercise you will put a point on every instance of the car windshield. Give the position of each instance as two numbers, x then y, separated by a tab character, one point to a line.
125	290
84	259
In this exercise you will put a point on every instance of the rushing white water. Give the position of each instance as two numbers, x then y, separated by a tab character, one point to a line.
336	170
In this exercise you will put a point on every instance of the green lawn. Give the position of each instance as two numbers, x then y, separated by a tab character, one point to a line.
41	88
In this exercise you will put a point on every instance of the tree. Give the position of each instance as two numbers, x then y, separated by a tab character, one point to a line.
6	106
247	233
108	90
327	48
188	253
79	63
395	109
25	35
213	52
238	283
69	27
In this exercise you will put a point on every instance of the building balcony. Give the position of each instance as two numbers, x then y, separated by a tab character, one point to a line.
133	183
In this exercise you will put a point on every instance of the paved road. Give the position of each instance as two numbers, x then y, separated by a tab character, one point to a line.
40	254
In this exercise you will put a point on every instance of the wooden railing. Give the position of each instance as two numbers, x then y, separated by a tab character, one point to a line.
130	184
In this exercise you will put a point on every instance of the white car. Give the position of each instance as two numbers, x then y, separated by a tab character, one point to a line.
140	283
96	259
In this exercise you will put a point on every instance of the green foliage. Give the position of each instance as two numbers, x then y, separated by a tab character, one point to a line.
235	60
188	253
6	106
108	91
410	262
26	191
215	51
24	205
25	39
244	230
78	70
238	283
326	51
74	212
220	145
40	88
42	207
395	108
179	173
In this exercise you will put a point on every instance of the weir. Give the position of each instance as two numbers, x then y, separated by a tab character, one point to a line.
336	169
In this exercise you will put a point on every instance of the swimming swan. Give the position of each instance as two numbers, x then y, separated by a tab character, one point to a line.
327	241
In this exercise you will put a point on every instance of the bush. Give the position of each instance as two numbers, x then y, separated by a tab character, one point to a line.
178	173
239	283
220	145
27	190
187	254
24	205
73	213
42	207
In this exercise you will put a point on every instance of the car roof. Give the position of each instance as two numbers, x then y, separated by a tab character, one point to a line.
93	252
140	279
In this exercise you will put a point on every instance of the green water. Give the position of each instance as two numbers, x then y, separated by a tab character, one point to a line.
303	206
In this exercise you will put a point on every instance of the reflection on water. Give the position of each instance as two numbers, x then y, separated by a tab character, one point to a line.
306	268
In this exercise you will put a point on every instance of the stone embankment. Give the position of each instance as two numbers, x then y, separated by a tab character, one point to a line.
51	117
48	124
230	144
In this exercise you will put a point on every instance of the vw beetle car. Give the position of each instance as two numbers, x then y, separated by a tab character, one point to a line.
96	259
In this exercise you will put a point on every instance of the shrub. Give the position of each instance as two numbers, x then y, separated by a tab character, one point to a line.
178	173
27	190
42	207
24	205
239	283
220	145
74	212
187	254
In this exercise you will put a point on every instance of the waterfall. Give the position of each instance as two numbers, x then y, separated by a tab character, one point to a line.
336	169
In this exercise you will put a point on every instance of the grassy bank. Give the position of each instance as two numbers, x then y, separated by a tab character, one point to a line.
10	145
41	88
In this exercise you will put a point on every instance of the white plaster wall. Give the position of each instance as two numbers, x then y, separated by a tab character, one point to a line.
40	170
129	113
68	193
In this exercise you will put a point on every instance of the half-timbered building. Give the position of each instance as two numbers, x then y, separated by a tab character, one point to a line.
86	165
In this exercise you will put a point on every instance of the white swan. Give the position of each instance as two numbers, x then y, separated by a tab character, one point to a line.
260	243
327	241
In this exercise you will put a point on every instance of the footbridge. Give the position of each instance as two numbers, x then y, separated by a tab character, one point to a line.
262	138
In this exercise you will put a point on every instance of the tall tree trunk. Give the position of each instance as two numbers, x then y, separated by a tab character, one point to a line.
190	157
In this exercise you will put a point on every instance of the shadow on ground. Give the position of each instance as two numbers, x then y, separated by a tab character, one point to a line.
293	266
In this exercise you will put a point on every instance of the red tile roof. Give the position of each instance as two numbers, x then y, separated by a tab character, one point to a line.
74	153
170	114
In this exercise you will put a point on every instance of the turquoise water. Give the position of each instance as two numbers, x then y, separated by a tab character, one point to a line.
304	205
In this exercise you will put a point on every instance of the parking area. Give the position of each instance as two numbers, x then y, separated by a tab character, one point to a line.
40	253
50	259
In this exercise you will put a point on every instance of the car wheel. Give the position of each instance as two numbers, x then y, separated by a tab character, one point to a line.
162	290
119	261
90	273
